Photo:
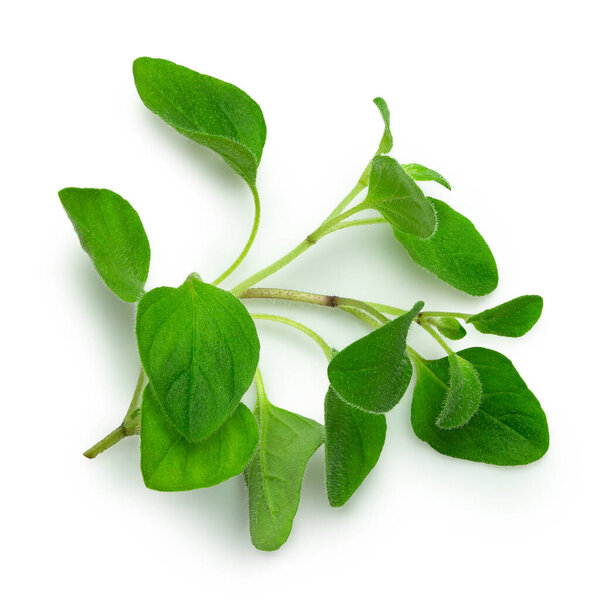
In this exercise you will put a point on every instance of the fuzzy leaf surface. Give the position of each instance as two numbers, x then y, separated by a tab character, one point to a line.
511	319
387	141
421	173
450	327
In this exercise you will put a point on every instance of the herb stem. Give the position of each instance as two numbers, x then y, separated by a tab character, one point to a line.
458	315
357	189
356	222
249	243
438	338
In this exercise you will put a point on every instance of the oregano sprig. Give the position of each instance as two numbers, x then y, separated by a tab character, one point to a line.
199	346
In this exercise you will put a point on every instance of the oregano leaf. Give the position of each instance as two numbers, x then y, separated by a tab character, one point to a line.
450	327
456	252
209	111
373	372
274	476
421	173
464	393
170	463
387	141
110	231
353	442
510	427
399	199
511	319
199	348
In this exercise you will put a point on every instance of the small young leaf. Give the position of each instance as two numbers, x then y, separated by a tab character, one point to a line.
463	396
387	141
111	232
450	327
199	348
399	199
373	373
353	442
170	463
274	476
456	252
511	319
420	173
209	111
510	427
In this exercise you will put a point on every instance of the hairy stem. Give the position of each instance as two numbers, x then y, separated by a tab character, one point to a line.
457	315
438	338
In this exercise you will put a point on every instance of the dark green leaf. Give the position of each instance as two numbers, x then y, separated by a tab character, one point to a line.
387	141
512	319
510	426
209	111
274	476
353	442
450	328
420	173
170	463
199	348
463	396
373	373
111	232
399	199
456	252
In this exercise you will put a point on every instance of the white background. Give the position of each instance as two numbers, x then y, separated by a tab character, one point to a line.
502	98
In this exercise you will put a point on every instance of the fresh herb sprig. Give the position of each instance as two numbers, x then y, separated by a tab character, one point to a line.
199	348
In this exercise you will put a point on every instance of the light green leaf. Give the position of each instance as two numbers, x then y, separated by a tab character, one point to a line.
399	199
111	232
353	442
464	393
170	463
199	348
209	111
450	327
510	427
420	173
456	252
387	141
512	319
274	476
373	373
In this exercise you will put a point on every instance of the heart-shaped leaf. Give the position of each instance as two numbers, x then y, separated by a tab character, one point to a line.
387	141
511	319
170	463
510	427
199	348
209	111
353	442
373	373
111	232
450	327
456	252
399	199
420	173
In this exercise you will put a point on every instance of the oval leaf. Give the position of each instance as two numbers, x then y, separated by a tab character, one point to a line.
456	252
510	427
463	396
353	442
450	327
399	199
209	111
111	232
170	463
199	348
511	319
373	373
274	476
420	173
387	141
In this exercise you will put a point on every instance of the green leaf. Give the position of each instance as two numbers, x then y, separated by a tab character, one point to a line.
274	476
373	373
387	141
450	328
512	319
463	396
353	442
420	173
456	252
510	427
170	463
111	232
399	199
199	348
209	111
